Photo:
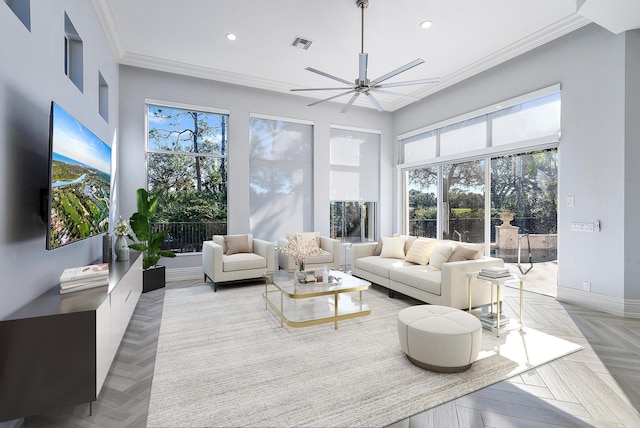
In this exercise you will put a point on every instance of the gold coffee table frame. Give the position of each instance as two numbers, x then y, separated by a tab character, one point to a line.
290	303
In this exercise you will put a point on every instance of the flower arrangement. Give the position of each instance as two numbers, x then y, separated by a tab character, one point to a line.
121	228
299	249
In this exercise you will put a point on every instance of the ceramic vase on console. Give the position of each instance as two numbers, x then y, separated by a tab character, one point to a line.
122	248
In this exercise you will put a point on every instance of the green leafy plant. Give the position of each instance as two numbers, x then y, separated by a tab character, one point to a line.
149	242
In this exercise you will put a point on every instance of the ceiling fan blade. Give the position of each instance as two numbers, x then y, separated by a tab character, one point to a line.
320	89
347	105
409	82
374	101
362	68
396	94
330	98
397	71
322	73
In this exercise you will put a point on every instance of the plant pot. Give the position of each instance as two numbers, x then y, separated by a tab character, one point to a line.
153	278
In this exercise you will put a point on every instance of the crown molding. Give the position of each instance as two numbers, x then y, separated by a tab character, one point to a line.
109	26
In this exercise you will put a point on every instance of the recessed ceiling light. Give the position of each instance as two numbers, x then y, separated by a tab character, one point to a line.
426	24
230	36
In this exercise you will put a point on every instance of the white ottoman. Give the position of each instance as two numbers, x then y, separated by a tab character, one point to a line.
439	338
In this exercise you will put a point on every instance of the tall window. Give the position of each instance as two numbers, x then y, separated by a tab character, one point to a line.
187	167
354	176
509	153
280	177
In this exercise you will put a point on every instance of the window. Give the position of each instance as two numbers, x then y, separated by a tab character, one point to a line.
509	153
187	167
73	52
422	186
464	136
353	183
280	177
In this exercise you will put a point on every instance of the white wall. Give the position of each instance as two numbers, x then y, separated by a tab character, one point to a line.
136	84
590	65
31	76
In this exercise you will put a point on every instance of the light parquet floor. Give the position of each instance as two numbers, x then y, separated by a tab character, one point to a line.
598	386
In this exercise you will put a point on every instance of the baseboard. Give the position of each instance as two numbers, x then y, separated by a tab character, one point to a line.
629	308
184	274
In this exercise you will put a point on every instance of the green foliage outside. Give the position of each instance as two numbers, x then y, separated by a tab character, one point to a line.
190	175
525	184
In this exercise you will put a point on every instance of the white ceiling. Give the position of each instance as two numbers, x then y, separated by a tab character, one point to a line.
467	37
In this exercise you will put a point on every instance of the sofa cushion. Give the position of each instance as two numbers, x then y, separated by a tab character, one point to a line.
237	244
462	252
440	255
393	247
242	261
421	250
420	277
379	265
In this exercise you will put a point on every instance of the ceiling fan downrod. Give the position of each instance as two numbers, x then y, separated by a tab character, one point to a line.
362	4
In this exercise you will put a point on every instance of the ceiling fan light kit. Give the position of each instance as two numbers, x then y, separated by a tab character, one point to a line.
362	85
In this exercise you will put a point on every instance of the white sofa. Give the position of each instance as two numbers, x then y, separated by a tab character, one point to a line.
220	264
447	286
329	254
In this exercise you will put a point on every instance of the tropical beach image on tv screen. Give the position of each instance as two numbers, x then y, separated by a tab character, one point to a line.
80	181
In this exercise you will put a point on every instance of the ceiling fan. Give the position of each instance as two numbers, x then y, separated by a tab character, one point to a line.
363	85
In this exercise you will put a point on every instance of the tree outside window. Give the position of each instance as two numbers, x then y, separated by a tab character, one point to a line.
187	168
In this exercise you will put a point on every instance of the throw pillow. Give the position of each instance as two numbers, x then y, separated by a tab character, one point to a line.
461	253
420	251
393	247
408	243
237	244
309	236
440	255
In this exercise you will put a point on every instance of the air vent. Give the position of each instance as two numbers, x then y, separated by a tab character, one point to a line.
301	42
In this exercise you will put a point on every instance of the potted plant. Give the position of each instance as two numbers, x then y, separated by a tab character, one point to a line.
149	242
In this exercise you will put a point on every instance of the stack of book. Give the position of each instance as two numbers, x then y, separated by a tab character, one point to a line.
490	321
84	277
494	273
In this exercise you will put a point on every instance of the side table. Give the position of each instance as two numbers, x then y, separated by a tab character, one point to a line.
497	282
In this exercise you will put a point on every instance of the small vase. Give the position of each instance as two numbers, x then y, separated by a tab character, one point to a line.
122	248
301	275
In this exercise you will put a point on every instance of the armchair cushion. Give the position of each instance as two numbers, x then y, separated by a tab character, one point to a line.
237	244
242	261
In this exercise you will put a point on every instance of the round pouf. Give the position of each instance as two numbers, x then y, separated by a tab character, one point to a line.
439	338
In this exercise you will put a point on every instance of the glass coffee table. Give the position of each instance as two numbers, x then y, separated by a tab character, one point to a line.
302	305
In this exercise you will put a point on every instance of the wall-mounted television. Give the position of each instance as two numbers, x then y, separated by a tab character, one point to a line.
79	181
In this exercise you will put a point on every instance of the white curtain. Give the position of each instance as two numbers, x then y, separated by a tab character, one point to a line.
281	177
355	165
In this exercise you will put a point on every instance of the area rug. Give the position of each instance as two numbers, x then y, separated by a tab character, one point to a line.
224	361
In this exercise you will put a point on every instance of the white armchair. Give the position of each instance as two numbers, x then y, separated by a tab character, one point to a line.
236	257
329	255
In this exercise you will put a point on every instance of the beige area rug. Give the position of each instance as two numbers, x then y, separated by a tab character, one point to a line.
223	361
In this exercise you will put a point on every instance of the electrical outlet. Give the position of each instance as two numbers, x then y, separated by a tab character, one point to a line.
586	286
